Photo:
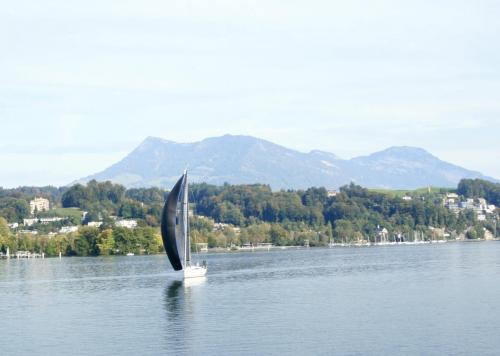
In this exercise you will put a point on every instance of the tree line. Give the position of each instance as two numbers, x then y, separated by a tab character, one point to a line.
254	213
479	188
87	241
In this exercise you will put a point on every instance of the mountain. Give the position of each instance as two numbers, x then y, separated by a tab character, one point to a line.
247	160
407	167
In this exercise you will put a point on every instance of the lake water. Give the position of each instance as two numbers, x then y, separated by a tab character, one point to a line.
420	300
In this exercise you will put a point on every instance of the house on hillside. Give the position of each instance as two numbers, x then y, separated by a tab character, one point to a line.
94	223
45	221
129	224
39	204
29	222
68	229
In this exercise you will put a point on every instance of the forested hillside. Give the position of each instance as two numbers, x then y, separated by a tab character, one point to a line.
238	214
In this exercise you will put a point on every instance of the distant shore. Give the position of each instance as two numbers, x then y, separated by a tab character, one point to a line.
218	250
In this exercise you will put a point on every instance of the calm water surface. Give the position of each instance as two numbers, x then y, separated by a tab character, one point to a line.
429	299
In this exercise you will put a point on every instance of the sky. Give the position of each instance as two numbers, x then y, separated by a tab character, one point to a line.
82	83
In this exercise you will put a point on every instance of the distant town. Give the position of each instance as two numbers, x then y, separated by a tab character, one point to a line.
40	205
108	219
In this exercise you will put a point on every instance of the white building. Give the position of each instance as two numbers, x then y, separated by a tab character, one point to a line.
68	229
406	197
28	232
14	225
94	223
487	234
45	221
129	224
220	226
39	204
201	246
382	234
454	208
332	193
449	201
469	204
29	222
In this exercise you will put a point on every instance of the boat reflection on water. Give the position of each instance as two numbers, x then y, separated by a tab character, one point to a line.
181	302
178	295
173	297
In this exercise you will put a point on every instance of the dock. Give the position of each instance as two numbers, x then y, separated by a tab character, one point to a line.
22	254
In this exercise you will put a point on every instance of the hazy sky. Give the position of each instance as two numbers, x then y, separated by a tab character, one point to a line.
83	82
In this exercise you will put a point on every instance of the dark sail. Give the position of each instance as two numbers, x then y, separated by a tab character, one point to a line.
168	226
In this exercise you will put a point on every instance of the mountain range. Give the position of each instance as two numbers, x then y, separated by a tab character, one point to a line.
248	160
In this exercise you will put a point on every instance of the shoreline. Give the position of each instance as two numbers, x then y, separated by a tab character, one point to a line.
220	250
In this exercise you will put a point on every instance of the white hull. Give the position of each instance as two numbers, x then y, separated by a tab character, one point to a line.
194	271
193	282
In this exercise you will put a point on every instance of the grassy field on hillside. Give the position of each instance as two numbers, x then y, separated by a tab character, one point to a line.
415	192
63	212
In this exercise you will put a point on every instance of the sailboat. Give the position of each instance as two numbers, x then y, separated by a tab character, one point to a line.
175	231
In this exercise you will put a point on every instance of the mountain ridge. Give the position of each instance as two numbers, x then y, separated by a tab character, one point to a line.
241	159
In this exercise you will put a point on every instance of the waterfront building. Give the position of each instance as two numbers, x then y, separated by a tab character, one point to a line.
488	235
202	246
382	234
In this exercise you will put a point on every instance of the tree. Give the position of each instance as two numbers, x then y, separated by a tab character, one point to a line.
105	242
278	235
86	241
14	209
343	230
4	228
125	240
152	241
131	209
231	214
56	244
479	188
4	235
255	233
76	196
